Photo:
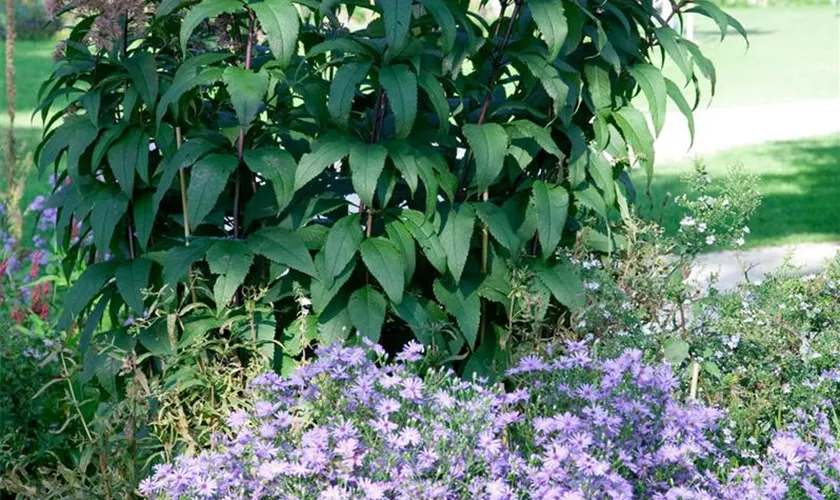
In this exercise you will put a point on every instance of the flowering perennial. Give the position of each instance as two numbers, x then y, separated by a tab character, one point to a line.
349	426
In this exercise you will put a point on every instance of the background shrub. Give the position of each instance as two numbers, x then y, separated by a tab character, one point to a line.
31	21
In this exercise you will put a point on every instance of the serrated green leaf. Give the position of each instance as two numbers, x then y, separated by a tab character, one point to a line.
132	277
343	44
551	21
200	12
400	84
421	315
397	17
591	198
677	96
653	85
322	288
311	165
334	323
434	91
551	203
184	82
367	311
404	159
280	22
231	260
564	284
84	290
669	40
343	90
601	171
456	236
549	77
247	92
283	247
54	144
177	260
498	224
142	69
598	85
108	209
83	137
463	304
366	164
208	178
190	152
278	167
634	128
103	144
401	236
144	217
126	155
425	235
721	18
526	129
342	244
91	102
706	66
489	144
442	14
386	264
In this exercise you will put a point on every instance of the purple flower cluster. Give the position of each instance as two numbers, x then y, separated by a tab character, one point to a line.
803	461
611	428
349	426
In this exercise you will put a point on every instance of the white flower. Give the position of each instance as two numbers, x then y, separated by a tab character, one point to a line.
739	242
746	230
701	227
687	222
710	239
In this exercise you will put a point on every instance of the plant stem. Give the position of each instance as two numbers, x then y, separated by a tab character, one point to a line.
498	66
241	143
124	51
179	140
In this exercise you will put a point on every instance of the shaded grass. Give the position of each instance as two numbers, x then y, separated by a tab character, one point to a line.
799	181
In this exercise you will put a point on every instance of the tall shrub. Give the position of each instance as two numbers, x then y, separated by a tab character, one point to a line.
399	164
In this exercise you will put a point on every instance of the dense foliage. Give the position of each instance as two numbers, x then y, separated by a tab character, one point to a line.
398	163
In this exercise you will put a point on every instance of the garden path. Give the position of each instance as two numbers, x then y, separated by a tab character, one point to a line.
735	266
718	129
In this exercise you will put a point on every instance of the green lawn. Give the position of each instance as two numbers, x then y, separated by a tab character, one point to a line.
799	181
33	64
794	55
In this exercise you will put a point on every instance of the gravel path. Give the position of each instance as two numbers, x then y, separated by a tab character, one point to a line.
736	266
725	128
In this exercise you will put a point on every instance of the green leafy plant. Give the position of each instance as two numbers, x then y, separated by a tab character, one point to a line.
395	162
